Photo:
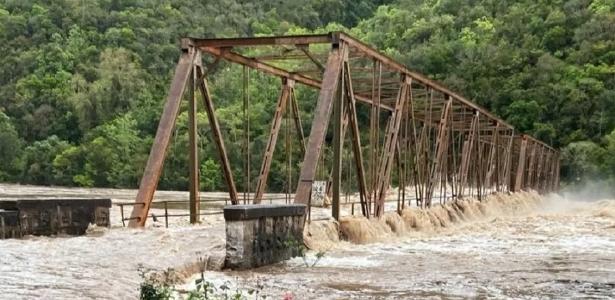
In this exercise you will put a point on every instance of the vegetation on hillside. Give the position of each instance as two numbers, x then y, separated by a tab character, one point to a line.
82	82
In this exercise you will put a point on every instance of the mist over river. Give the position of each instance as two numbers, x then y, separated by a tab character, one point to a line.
564	249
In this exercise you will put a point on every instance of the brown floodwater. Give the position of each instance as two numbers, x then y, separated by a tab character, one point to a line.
566	249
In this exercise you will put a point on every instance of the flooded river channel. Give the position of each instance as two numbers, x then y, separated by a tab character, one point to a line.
566	249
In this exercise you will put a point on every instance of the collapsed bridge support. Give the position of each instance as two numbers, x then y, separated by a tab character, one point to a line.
431	143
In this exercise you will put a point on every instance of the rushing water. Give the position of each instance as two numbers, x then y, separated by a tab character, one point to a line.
566	250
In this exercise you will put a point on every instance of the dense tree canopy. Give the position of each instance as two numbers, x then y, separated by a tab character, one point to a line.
82	82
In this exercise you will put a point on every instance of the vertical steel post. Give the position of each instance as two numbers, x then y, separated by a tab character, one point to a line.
507	169
557	162
246	131
492	159
338	143
193	184
521	165
529	183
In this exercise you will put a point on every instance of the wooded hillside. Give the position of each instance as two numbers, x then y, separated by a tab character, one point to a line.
82	82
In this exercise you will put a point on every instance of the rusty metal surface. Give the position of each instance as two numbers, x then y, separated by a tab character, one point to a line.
320	123
193	180
356	140
153	168
217	136
422	136
276	124
388	152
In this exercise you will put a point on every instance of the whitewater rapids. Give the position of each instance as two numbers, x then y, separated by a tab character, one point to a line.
549	248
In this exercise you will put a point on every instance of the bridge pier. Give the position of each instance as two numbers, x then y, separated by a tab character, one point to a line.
51	216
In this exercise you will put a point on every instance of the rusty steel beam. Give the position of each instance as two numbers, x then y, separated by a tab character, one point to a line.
389	62
155	162
312	57
217	136
438	138
270	69
466	156
388	151
529	182
545	168
492	165
374	127
223	48
265	41
276	124
320	123
193	182
259	65
521	165
338	143
356	140
507	170
440	147
297	120
539	162
557	173
344	127
554	184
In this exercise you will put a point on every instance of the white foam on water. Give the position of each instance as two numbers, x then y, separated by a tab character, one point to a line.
565	249
350	262
97	267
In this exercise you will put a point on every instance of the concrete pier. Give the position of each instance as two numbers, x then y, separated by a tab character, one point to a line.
51	216
258	235
9	224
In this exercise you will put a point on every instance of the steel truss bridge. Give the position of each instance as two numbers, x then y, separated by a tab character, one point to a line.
437	141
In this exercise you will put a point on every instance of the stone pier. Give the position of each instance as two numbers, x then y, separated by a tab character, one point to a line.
258	235
51	216
9	224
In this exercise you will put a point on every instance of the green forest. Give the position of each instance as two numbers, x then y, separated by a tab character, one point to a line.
82	82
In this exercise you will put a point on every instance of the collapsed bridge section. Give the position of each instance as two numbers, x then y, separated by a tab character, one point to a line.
429	141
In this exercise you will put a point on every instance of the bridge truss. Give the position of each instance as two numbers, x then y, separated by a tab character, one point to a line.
439	144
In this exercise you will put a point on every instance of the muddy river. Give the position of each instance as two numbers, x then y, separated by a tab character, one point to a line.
564	250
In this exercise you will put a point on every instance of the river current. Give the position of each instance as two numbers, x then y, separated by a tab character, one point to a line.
565	249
